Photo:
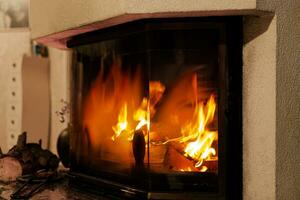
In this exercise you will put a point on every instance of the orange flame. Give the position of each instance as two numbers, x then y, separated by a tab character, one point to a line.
141	117
141	114
122	122
114	107
200	149
196	136
112	97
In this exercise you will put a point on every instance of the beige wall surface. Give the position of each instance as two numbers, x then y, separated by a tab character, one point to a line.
60	61
259	108
288	97
14	44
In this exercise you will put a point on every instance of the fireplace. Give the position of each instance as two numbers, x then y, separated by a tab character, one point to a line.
156	109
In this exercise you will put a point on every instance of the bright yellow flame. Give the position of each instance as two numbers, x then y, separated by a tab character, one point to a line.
118	96
122	122
200	149
186	170
196	134
203	169
141	115
104	105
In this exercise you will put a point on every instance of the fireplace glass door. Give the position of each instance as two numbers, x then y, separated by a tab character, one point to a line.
146	105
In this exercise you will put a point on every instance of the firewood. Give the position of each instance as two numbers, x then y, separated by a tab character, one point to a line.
21	143
176	161
10	169
25	158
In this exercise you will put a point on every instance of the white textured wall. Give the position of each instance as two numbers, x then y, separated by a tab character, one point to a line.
13	45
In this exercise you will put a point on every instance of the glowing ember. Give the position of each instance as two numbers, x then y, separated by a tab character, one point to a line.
186	170
203	169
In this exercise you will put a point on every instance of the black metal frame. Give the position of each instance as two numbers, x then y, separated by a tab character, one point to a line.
230	105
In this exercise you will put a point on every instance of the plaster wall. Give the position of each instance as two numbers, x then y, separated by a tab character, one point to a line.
259	107
13	45
60	61
288	96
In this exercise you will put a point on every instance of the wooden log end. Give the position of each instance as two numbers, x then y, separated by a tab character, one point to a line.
10	169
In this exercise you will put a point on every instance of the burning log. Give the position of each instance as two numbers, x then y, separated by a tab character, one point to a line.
176	161
25	158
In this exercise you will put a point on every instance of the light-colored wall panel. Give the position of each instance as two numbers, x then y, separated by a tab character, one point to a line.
259	108
14	44
60	61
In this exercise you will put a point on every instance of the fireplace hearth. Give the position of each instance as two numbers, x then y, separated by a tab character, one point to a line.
156	109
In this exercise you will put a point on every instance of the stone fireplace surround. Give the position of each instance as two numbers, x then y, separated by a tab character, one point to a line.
271	76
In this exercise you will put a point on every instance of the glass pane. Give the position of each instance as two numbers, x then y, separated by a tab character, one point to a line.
184	109
113	107
145	109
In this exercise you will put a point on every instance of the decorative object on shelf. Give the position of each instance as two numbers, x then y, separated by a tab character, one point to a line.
65	109
63	146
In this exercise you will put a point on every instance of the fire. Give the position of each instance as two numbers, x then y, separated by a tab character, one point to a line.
196	136
116	107
203	169
113	97
186	170
197	130
141	114
122	122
